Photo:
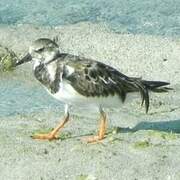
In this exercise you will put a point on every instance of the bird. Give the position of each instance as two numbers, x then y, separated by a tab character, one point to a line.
80	81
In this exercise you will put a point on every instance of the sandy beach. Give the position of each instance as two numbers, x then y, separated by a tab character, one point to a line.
138	146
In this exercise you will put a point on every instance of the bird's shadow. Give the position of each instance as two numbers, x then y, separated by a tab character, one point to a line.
165	126
172	126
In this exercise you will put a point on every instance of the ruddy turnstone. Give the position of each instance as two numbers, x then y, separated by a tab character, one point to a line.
76	80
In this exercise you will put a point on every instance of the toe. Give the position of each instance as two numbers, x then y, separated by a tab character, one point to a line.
91	139
45	137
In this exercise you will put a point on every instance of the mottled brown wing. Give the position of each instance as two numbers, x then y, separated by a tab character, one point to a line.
92	78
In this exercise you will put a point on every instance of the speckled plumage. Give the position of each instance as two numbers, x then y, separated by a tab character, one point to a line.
89	78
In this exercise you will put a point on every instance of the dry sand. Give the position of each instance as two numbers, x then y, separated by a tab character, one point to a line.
138	146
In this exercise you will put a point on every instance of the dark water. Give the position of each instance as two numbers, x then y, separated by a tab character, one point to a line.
157	17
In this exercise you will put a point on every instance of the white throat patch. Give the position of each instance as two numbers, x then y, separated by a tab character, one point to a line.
36	63
52	71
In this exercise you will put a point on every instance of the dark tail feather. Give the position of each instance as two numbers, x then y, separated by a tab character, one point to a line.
144	94
145	86
156	86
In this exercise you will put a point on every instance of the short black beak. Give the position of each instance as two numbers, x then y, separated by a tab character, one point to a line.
25	59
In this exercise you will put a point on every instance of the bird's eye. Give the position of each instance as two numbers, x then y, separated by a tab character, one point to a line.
39	50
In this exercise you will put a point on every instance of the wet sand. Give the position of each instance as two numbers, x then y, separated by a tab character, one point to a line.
138	145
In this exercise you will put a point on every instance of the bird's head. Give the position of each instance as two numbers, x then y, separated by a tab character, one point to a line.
41	51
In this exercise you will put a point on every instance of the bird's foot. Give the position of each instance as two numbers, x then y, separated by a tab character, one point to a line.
92	139
53	135
49	136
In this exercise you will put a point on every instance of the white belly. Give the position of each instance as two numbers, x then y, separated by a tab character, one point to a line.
68	95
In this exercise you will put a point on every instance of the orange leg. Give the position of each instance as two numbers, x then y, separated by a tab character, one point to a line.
54	133
102	130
